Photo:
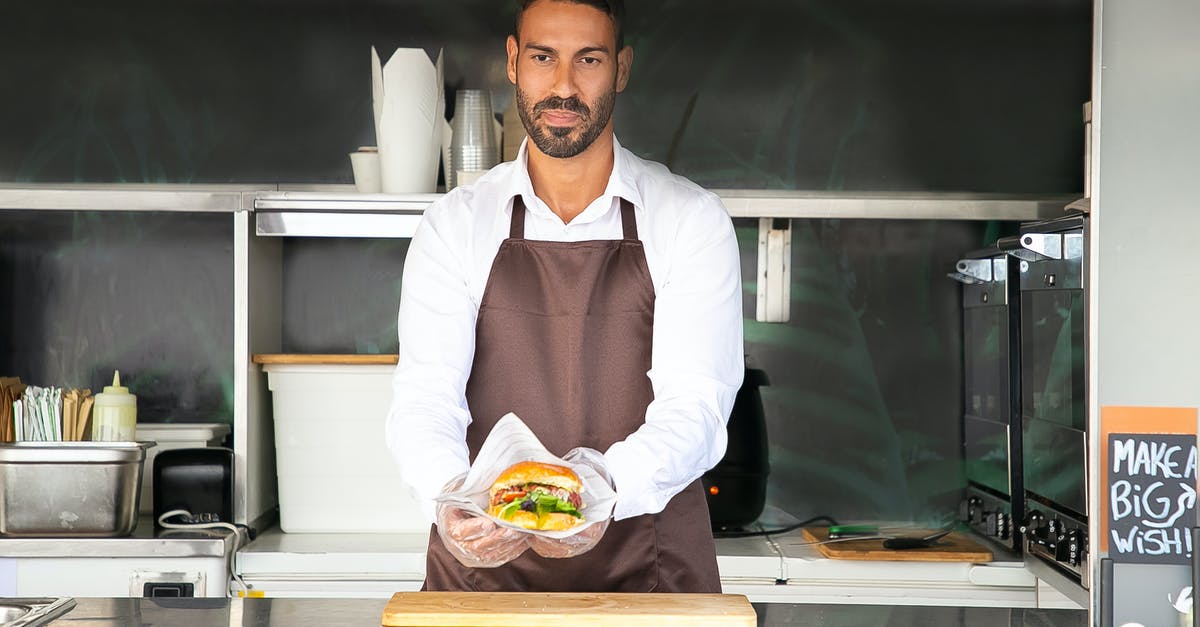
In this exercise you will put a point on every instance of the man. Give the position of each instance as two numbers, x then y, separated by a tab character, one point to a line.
592	293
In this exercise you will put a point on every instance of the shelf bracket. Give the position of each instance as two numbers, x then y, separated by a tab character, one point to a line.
774	270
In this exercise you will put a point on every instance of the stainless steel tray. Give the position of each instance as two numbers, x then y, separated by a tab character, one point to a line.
70	489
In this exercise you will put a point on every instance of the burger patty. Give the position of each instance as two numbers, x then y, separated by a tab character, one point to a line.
516	492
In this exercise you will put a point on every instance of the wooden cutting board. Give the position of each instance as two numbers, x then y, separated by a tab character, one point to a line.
955	547
325	359
543	609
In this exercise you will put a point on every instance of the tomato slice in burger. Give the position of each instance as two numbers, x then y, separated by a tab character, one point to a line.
509	497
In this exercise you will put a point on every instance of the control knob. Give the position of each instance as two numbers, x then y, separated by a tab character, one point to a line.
991	523
1034	529
1072	547
1003	525
974	515
1033	523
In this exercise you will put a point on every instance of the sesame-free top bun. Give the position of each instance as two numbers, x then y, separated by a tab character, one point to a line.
537	472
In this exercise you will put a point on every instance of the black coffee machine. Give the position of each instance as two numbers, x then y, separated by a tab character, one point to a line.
737	486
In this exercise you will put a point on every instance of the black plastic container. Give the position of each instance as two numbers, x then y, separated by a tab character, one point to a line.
198	480
736	487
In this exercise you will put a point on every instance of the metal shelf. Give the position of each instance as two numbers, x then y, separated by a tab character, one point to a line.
337	210
743	203
338	214
394	215
125	197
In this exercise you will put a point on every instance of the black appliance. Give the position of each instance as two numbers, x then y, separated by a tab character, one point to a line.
736	487
993	503
198	480
1053	276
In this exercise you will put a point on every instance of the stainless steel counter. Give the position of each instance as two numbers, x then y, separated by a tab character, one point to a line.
144	542
367	613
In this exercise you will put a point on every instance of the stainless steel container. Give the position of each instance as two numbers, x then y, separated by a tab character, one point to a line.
70	489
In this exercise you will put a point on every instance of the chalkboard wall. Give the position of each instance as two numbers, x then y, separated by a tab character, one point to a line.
872	95
813	94
148	293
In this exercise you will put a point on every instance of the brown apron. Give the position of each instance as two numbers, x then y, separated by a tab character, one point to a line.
563	340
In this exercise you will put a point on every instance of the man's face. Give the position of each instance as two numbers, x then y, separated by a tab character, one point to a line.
567	75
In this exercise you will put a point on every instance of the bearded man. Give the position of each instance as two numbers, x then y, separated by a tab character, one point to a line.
594	294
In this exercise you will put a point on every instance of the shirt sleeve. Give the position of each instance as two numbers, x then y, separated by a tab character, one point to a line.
427	424
696	368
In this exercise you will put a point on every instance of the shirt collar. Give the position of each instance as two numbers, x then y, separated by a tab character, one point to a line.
621	184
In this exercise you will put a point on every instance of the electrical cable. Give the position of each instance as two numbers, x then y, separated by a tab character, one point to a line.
209	527
162	522
771	532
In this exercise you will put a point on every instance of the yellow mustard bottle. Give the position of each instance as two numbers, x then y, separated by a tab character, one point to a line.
114	415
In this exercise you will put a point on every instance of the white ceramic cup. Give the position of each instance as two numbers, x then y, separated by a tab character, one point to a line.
365	163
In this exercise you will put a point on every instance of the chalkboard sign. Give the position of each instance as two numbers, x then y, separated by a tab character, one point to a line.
1151	497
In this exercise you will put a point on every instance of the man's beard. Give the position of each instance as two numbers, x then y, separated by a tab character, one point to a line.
557	141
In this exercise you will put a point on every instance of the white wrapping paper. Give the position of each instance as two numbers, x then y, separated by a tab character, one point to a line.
510	442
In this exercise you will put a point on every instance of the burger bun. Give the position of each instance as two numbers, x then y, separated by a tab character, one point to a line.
522	473
557	521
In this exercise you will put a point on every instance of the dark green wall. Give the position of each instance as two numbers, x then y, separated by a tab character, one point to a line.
148	293
864	95
811	94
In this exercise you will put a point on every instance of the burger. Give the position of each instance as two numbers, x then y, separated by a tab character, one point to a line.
534	495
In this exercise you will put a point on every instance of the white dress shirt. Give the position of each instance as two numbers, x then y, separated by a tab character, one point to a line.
697	362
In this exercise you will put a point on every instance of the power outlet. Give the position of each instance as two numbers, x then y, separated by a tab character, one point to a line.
144	583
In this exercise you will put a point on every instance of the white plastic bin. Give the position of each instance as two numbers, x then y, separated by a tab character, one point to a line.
170	436
335	471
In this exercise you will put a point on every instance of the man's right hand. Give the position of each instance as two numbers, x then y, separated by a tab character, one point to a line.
476	541
478	538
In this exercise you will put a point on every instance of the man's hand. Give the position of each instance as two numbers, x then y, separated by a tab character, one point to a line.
570	546
585	540
476	541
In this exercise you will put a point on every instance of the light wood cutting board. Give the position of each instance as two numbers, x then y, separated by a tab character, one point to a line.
953	548
325	359
546	609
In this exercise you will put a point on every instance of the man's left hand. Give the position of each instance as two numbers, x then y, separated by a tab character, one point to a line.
570	546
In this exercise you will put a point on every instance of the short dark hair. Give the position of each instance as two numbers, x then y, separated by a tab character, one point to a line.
614	9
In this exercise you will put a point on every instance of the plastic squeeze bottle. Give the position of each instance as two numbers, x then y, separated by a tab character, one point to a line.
114	415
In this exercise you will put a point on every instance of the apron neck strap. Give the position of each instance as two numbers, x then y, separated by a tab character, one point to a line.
516	228
628	222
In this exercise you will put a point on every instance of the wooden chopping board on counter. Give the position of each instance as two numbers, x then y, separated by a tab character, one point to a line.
954	547
326	359
541	609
